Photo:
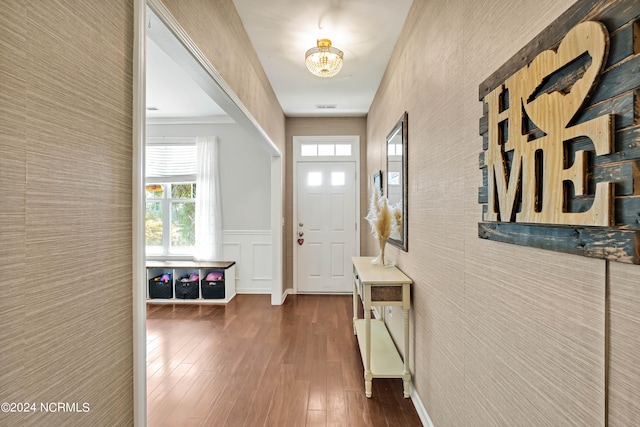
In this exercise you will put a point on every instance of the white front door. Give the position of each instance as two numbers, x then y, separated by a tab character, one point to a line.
326	226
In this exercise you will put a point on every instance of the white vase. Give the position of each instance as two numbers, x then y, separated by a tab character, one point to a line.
382	261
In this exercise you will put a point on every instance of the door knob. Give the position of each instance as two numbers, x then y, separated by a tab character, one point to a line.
300	234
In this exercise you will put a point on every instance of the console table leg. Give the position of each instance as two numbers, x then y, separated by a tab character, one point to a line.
355	315
406	374
407	385
355	305
368	375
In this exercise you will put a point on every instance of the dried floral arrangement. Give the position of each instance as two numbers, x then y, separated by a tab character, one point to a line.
383	221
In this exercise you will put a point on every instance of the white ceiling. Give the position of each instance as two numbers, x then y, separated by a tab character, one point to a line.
171	92
281	32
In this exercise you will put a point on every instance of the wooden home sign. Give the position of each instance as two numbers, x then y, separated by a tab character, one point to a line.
561	137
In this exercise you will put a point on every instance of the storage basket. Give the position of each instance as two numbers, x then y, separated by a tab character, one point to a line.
160	288
213	289
186	289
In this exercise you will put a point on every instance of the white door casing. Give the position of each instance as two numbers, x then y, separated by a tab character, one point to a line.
326	216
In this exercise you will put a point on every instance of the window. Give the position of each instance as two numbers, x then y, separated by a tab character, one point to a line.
326	150
394	149
170	218
314	179
393	178
337	179
343	149
170	199
309	150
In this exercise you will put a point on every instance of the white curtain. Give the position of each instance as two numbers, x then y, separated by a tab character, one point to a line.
208	209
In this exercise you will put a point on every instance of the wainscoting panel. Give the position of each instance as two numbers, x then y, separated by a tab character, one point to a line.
251	250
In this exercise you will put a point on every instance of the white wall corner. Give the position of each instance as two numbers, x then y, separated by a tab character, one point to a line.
286	292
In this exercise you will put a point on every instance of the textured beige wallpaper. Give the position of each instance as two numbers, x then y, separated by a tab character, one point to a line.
624	345
216	28
12	202
319	126
502	335
65	211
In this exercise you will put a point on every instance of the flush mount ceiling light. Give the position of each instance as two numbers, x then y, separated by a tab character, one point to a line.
324	60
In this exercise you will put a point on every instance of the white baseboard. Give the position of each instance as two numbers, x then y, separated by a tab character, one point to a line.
288	291
422	411
254	291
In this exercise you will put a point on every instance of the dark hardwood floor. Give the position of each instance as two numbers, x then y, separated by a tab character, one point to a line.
249	363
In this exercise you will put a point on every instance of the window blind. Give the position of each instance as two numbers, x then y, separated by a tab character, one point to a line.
170	160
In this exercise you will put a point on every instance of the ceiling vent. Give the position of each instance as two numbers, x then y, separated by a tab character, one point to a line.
326	106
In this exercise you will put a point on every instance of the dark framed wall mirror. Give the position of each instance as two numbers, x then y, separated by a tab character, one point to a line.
397	171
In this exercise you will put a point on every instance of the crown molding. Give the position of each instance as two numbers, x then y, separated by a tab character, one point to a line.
206	120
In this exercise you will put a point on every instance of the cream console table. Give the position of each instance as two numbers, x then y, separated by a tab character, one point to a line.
380	286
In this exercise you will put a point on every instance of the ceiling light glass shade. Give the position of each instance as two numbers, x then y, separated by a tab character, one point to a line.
324	60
